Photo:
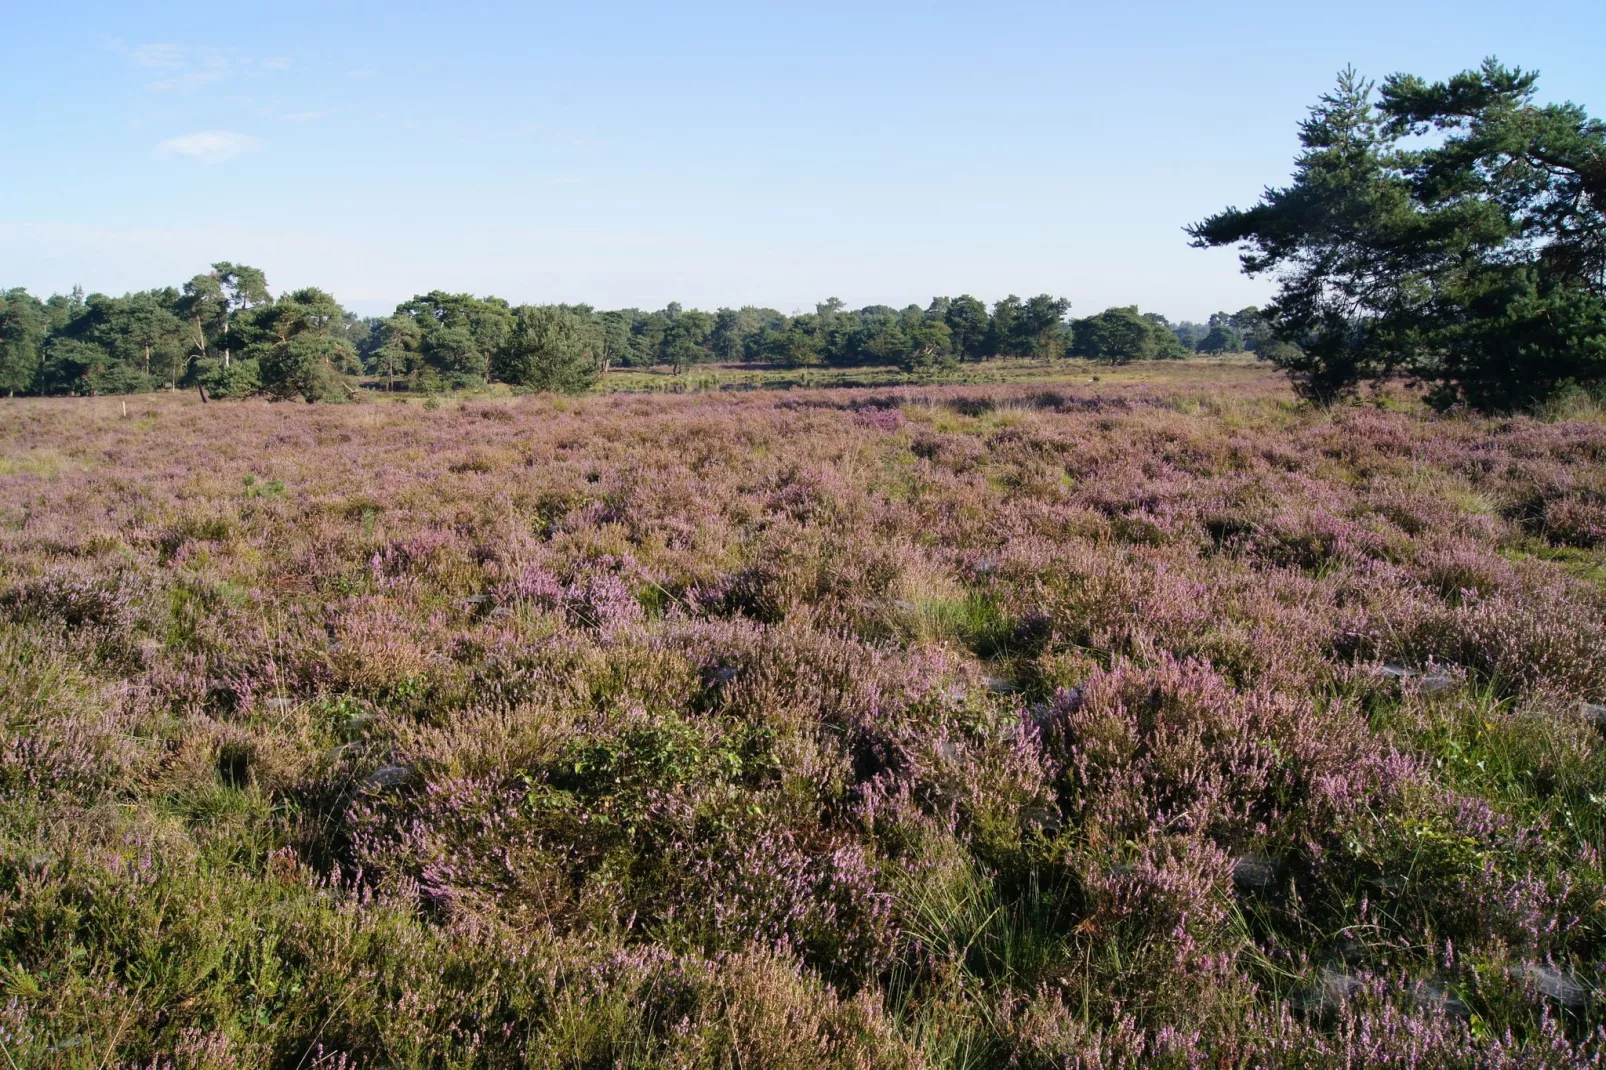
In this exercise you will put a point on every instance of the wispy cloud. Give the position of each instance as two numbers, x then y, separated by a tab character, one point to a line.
190	80
160	56
194	66
209	146
305	116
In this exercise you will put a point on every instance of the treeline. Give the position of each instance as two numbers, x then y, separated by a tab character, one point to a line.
224	332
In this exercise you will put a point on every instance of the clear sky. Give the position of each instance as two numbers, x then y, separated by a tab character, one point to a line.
710	153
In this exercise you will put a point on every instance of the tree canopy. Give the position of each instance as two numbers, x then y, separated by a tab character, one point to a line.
550	347
1454	231
1122	335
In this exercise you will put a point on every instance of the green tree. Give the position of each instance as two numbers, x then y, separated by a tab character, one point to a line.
647	335
106	344
791	344
1168	345
205	309
1040	327
968	325
214	303
1221	339
885	341
142	330
1250	326
685	339
61	310
930	345
1455	231
732	329
243	288
304	351
616	337
399	340
73	365
549	347
833	328
1116	336
1004	336
459	334
23	329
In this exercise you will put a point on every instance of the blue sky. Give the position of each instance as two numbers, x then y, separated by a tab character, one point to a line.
711	153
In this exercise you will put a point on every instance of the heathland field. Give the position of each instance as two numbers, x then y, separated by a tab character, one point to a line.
1155	720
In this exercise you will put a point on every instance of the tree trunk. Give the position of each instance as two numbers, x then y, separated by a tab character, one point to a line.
200	345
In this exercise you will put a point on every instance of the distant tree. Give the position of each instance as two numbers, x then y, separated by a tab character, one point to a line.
1040	327
61	310
23	329
1473	258
884	341
615	337
685	339
1004	337
303	351
79	358
458	334
1167	344
243	288
930	345
214	303
141	329
732	328
647	334
1221	339
549	347
968	325
1119	336
1251	327
833	328
1189	333
74	365
452	350
363	334
205	309
792	345
399	340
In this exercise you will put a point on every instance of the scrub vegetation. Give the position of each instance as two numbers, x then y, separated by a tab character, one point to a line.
1126	723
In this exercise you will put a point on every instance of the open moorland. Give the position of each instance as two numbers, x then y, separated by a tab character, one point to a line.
1161	720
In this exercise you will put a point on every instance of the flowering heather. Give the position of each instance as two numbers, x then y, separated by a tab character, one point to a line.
1134	723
